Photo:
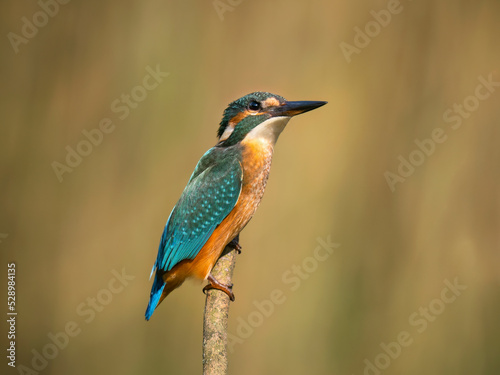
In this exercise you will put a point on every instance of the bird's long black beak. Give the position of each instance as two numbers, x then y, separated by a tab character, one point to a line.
296	108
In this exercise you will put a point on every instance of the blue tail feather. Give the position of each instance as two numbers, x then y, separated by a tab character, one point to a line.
156	291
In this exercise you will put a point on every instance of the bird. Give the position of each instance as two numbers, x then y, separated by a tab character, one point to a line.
222	194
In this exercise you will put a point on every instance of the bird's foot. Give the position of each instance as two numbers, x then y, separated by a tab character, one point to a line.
235	244
215	284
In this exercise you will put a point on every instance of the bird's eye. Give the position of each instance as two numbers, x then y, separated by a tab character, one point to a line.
254	106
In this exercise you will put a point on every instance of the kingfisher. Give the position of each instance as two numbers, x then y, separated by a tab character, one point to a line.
222	194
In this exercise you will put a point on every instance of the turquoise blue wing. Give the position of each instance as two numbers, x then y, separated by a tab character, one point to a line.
211	194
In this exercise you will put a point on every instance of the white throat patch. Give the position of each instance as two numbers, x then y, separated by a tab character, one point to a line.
269	130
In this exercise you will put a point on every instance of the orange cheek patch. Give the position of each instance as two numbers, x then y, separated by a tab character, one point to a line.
240	116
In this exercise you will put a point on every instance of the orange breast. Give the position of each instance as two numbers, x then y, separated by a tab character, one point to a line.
256	164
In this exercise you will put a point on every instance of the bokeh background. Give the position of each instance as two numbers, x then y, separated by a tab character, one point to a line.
397	246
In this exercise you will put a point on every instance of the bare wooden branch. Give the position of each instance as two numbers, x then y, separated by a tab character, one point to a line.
215	318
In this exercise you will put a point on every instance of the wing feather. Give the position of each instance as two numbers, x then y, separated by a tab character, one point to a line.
211	194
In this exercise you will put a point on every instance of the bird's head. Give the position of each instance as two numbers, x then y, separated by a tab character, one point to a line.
259	114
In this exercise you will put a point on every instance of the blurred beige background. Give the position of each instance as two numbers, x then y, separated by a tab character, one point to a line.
422	73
